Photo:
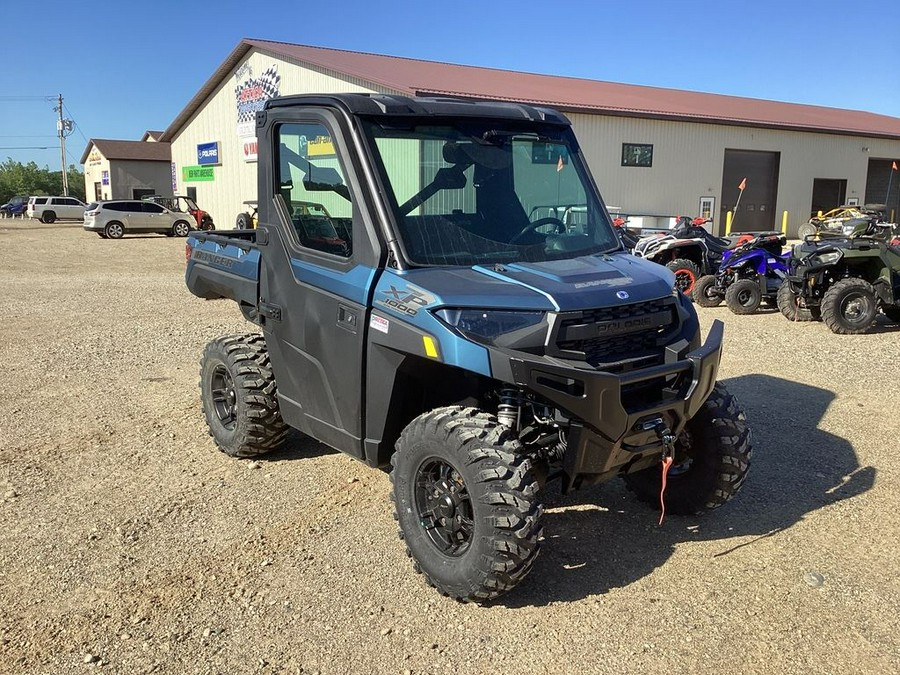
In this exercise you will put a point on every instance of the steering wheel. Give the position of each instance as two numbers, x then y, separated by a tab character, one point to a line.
540	222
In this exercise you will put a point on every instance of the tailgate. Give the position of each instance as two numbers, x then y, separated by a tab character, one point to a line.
222	267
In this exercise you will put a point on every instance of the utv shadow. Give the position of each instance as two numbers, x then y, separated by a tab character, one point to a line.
604	538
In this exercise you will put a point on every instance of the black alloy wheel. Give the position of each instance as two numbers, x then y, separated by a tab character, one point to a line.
224	397
444	507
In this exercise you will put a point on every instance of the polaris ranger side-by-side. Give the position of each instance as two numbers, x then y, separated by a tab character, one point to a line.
423	306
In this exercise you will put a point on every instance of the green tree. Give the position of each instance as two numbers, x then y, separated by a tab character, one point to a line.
29	179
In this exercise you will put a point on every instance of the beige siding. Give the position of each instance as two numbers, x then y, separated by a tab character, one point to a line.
688	160
93	173
216	120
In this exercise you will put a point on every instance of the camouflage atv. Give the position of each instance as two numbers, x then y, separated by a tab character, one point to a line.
843	280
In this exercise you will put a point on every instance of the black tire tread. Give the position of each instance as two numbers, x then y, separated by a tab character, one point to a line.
247	357
699	292
787	305
504	482
831	305
684	263
733	292
723	424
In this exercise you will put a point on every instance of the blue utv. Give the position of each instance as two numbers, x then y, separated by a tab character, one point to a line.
409	312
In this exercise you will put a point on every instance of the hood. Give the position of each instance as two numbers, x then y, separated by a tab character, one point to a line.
562	285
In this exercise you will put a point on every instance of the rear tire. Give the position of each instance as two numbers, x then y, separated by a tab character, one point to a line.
712	459
788	305
743	296
114	230
466	502
48	217
237	388
702	292
243	222
686	274
849	307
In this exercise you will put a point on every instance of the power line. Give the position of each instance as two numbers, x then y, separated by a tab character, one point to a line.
26	98
29	147
76	123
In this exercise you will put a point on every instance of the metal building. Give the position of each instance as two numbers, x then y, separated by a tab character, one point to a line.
655	153
127	169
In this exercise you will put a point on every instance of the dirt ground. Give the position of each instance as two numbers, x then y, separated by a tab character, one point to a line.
130	545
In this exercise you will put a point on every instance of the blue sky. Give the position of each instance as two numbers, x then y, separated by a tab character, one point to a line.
127	67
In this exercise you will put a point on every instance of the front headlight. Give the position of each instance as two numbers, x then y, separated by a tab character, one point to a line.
824	258
512	329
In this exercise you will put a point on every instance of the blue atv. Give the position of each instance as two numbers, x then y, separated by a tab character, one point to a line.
748	275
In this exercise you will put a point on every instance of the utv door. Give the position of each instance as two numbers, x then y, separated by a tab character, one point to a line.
319	260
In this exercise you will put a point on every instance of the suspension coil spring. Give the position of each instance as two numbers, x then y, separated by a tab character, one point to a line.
509	410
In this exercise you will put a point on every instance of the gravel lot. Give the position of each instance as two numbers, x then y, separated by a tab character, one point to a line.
131	545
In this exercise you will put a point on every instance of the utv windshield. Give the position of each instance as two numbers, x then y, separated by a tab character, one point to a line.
475	192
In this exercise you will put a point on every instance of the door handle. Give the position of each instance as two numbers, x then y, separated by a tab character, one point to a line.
347	318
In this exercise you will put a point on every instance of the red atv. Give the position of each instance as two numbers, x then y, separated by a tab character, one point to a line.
182	204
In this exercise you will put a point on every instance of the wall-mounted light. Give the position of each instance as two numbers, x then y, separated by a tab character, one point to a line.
865	148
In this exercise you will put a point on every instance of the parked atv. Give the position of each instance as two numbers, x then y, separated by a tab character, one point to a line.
749	274
689	250
845	280
627	236
841	221
183	204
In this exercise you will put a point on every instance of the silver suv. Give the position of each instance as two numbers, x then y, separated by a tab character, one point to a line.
49	209
113	219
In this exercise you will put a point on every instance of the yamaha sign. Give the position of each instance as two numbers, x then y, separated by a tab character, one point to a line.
208	153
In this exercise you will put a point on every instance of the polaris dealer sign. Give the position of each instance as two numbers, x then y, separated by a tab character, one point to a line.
208	153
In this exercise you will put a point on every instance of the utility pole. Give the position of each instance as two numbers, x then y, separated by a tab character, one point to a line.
62	126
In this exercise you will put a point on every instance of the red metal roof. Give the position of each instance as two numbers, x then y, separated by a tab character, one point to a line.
568	93
413	76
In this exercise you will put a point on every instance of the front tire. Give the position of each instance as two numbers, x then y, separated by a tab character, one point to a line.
789	305
704	292
849	306
743	296
181	229
237	388
243	222
466	502
712	458
686	274
806	230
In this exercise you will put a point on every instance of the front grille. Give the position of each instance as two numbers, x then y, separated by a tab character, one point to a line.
617	338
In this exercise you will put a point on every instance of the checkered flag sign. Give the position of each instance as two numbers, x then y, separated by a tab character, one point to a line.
253	94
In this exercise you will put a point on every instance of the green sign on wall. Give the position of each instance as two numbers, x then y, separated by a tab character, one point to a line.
197	174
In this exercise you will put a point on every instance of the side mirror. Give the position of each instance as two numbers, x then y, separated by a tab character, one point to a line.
322	179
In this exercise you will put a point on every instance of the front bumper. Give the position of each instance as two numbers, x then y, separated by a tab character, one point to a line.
611	410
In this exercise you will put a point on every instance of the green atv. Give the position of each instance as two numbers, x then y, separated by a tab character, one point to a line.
844	280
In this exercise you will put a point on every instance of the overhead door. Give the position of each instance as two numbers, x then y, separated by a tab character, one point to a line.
758	172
